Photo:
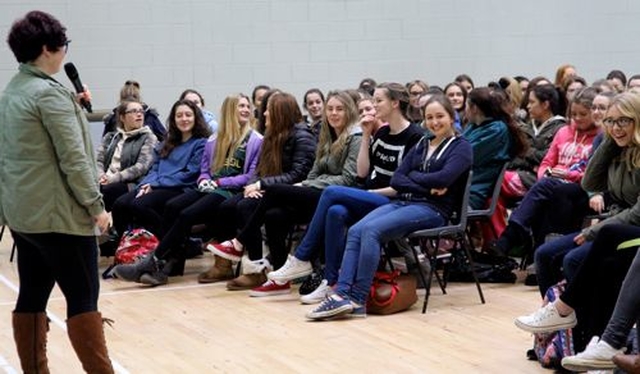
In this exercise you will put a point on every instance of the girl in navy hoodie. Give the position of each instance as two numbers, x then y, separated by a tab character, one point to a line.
430	183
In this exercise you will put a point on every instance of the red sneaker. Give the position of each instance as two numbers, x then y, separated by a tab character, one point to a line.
226	250
271	288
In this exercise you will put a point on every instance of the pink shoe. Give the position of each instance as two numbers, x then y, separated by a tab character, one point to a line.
271	288
226	250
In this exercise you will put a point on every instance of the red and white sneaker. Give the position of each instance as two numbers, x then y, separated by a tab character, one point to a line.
226	250
271	288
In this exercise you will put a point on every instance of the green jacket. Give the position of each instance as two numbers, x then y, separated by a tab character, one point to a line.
48	179
608	172
338	170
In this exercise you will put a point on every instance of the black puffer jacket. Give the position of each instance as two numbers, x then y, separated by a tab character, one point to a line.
298	154
527	165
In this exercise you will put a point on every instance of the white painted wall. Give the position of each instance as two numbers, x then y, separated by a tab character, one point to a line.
225	46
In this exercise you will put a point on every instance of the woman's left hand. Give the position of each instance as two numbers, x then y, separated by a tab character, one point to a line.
580	239
253	194
85	95
439	191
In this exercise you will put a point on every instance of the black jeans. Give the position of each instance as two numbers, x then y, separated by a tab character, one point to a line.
145	211
111	192
47	259
180	214
280	208
594	289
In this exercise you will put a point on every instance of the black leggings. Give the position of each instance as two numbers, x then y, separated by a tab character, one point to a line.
145	211
281	207
47	259
111	192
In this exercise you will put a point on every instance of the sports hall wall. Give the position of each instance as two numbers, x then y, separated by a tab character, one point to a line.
226	46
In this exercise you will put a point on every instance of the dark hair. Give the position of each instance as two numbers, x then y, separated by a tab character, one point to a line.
464	78
284	113
368	85
619	75
36	29
255	91
584	97
532	84
465	94
551	94
601	83
632	78
309	92
191	91
121	110
397	91
442	100
520	78
434	90
356	95
494	104
174	136
568	81
261	120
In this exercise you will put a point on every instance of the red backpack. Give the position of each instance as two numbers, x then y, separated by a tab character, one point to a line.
133	245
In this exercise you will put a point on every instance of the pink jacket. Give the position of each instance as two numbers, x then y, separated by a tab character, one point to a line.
569	150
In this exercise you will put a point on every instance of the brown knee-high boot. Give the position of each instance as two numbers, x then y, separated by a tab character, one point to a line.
87	338
30	334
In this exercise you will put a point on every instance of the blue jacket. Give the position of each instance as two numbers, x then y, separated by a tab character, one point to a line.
446	168
179	169
492	146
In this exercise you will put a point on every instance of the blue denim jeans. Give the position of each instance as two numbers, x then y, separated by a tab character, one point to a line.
365	238
558	259
339	207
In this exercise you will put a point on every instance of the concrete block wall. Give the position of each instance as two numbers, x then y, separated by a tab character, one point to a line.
226	46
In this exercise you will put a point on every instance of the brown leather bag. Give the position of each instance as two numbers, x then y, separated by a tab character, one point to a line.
391	292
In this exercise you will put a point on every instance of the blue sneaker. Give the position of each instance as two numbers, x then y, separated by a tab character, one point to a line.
359	311
332	306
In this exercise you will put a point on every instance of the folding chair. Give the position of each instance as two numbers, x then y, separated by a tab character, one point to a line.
475	215
456	230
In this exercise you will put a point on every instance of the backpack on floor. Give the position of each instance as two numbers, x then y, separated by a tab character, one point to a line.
550	348
133	245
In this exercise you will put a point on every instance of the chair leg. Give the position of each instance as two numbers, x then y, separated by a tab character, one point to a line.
1	233
434	261
467	245
425	281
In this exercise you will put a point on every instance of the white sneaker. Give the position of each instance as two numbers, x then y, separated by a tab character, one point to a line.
292	269
597	356
546	319
318	294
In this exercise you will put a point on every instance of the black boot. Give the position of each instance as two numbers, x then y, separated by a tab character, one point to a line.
513	236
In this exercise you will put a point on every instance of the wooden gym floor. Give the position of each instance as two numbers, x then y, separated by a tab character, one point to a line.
185	327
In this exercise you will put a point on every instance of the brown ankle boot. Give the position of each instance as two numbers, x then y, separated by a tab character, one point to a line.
254	274
30	334
220	271
628	363
87	338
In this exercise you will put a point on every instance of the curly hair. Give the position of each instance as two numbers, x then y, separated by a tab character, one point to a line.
36	29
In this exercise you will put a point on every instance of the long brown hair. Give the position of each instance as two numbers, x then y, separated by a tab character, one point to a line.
174	136
284	113
494	104
230	132
326	144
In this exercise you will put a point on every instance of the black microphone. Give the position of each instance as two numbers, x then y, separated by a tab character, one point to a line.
74	77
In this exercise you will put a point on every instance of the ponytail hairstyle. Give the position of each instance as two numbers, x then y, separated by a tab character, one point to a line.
397	92
494	104
552	95
284	114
